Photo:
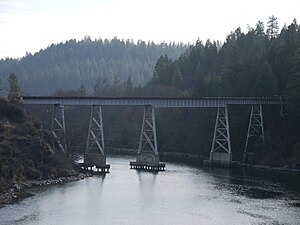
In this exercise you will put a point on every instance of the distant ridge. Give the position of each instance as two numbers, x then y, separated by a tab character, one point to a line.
73	63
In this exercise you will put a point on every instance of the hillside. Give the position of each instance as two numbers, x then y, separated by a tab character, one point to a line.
259	62
73	63
26	150
254	63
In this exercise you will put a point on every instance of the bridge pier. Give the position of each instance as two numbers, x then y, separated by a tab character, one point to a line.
147	156
221	146
255	128
58	127
94	153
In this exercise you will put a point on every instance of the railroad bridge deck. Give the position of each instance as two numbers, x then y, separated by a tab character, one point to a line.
156	102
148	149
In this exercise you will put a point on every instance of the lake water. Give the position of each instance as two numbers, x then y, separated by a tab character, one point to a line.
181	195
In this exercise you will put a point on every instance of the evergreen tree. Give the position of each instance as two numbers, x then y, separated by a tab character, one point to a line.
265	81
14	86
129	86
272	30
82	90
101	85
232	66
177	77
162	71
260	29
67	65
294	94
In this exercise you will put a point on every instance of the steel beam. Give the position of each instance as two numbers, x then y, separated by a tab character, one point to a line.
58	127
95	138
221	139
148	140
154	102
255	127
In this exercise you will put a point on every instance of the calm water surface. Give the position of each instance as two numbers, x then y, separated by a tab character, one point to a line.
180	195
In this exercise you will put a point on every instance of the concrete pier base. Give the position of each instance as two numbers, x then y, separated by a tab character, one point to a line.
221	164
220	156
99	169
220	159
140	166
95	159
147	161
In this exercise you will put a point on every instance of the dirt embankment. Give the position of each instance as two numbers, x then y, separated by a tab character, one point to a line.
28	156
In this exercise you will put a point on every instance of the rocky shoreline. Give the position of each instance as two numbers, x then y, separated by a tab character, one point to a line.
18	190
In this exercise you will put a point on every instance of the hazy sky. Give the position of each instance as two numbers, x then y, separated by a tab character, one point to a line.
29	25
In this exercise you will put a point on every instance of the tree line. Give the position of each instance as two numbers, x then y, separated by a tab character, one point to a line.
264	61
73	63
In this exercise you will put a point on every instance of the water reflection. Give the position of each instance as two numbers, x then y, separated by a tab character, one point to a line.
181	195
146	176
254	184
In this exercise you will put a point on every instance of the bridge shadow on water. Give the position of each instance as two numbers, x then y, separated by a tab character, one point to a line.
248	182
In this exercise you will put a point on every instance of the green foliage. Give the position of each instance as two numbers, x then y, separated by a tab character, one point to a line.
11	111
256	63
25	151
70	64
129	86
162	71
260	29
273	28
14	86
100	86
265	83
294	95
177	78
82	90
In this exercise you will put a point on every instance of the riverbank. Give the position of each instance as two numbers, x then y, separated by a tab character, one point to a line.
270	168
195	160
18	190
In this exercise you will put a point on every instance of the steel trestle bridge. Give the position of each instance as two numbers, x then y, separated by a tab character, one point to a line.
154	102
147	157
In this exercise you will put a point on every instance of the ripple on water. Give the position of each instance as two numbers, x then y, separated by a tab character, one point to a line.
180	195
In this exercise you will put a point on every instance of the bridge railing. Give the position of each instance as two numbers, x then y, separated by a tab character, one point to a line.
154	102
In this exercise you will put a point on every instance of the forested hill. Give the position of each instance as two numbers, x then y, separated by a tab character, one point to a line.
70	64
264	61
261	62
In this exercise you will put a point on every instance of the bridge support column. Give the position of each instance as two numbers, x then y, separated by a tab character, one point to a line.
221	147
58	127
255	128
147	156
94	152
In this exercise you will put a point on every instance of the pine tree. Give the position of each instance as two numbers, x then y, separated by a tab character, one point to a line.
294	94
128	87
82	90
260	29
162	71
265	81
177	77
14	86
272	30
